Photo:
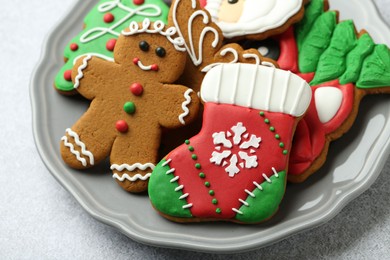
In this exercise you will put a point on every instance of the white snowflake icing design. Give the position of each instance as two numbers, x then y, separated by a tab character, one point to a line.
244	159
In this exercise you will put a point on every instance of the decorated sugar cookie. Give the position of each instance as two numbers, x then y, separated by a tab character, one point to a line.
132	99
254	19
340	65
102	26
235	169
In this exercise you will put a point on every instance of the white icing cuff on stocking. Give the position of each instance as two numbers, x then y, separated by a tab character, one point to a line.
258	87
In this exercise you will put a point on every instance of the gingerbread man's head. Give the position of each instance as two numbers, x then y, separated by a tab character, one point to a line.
150	48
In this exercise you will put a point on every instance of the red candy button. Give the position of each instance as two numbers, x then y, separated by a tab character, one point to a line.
121	126
136	89
108	18
154	67
68	75
111	44
138	2
74	47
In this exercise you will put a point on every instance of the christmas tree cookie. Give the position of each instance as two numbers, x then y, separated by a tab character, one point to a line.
102	26
235	169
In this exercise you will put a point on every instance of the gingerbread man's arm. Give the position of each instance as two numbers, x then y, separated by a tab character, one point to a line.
89	74
179	106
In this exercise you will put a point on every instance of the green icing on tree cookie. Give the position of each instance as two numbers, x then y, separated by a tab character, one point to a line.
316	42
355	58
376	69
103	23
312	11
332	63
265	202
164	194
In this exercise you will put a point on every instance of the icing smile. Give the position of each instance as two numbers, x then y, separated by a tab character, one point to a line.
153	67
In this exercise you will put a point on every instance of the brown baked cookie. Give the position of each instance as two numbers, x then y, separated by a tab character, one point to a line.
131	100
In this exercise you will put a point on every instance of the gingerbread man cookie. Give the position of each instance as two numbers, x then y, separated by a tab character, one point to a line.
131	100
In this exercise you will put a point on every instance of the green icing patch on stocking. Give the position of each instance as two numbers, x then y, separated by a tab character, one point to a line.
312	11
355	58
332	63
265	201
316	42
376	69
165	193
104	23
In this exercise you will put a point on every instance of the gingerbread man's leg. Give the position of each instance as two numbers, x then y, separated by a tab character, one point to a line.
86	143
133	157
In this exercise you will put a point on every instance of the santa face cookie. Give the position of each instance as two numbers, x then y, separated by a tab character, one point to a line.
235	169
102	26
131	100
254	19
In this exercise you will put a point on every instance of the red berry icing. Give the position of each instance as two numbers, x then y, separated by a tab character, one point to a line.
135	61
111	44
121	126
74	47
136	89
108	18
155	67
138	2
68	75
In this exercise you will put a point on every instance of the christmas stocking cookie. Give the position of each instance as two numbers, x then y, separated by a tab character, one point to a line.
235	168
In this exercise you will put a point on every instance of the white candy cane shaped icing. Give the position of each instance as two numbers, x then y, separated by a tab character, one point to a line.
144	67
223	53
184	106
157	27
80	69
134	178
132	167
197	60
147	10
82	146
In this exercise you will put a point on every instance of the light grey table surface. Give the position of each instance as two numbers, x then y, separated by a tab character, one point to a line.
41	220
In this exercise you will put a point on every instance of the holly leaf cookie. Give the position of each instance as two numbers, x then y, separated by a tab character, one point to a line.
132	99
102	26
235	169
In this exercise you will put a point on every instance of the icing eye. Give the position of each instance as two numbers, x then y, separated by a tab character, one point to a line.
160	51
268	48
232	2
143	45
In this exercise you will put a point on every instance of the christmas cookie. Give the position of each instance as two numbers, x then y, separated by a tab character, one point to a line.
102	27
254	19
235	169
132	98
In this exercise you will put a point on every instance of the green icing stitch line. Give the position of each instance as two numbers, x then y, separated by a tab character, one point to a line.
162	192
265	202
316	42
332	63
95	19
312	11
272	129
364	47
376	69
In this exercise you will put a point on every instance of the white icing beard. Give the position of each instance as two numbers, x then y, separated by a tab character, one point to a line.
258	16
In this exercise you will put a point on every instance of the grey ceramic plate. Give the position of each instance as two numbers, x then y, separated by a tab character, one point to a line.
354	163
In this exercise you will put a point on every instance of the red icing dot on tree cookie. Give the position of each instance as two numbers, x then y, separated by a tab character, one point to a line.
68	75
110	45
108	18
74	47
138	2
121	126
137	89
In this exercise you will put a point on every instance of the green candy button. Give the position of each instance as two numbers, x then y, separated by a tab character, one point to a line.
129	108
